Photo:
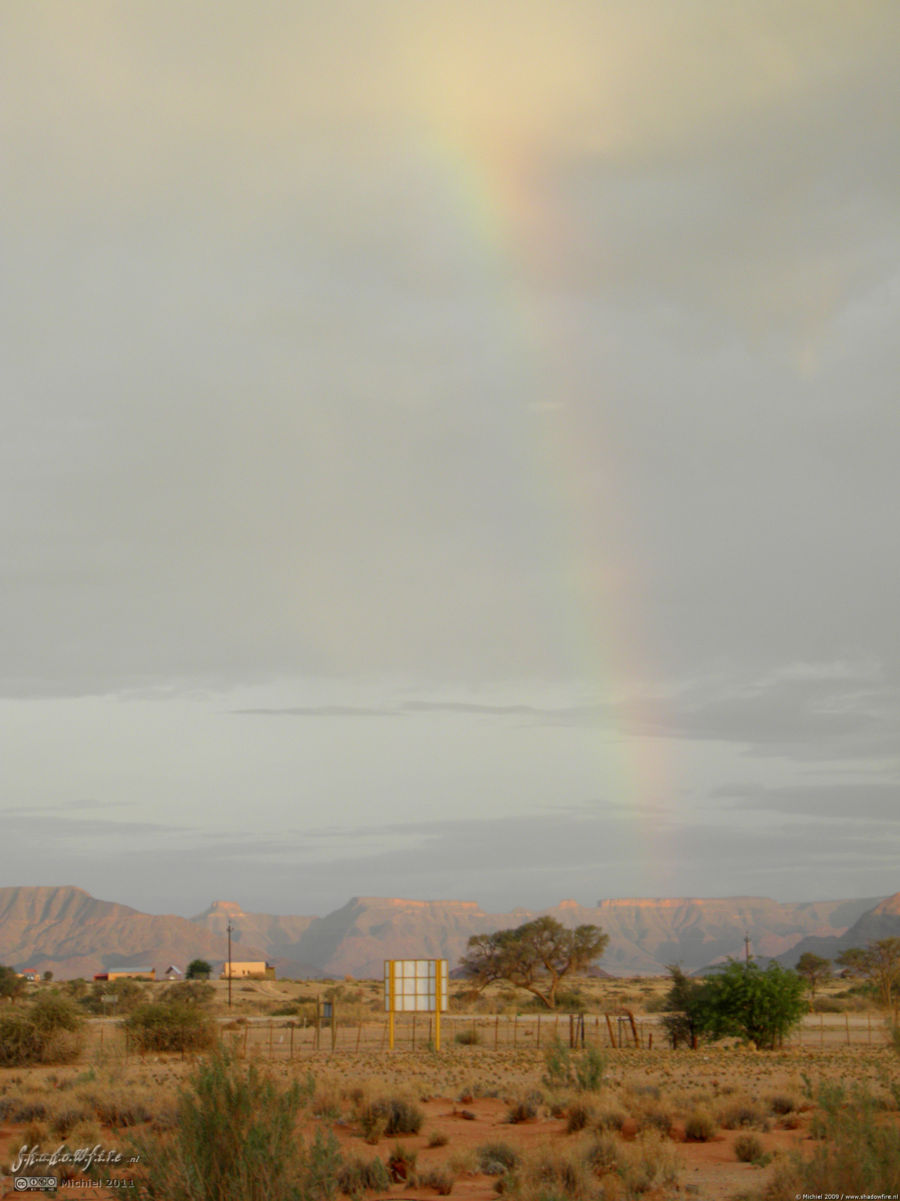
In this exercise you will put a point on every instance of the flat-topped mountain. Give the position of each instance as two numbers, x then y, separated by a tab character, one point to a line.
69	932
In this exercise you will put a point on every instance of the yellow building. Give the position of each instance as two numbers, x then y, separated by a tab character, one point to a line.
251	970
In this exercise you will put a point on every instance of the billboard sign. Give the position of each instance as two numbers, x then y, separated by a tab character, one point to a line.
415	985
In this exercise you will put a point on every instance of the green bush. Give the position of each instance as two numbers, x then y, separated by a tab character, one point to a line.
859	1151
590	1068
128	995
236	1138
170	1026
46	1031
565	1070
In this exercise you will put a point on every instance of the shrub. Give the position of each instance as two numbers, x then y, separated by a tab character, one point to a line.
47	1031
128	993
699	1127
524	1109
565	1070
357	1174
119	1108
590	1069
603	1153
322	1167
170	1026
748	1148
858	1152
235	1138
646	1165
558	1065
468	1037
496	1158
189	992
741	1114
579	1115
441	1179
390	1115
782	1103
611	1119
402	1165
438	1139
549	1175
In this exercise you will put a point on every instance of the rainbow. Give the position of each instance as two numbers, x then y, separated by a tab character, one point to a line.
592	620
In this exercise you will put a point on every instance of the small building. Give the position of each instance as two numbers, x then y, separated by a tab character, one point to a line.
127	973
29	974
173	973
250	970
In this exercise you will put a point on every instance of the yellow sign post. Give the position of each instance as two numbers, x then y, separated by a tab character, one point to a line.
415	986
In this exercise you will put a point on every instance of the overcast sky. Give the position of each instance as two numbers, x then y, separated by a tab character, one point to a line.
450	450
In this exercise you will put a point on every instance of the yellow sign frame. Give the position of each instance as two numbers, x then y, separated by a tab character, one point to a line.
422	980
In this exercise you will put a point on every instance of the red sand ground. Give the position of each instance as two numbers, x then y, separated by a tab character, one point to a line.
710	1170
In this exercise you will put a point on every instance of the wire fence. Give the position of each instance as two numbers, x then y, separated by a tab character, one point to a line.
281	1038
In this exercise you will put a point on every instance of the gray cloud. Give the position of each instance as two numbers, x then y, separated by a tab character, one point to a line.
537	369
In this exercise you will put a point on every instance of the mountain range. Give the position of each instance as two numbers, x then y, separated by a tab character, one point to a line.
65	930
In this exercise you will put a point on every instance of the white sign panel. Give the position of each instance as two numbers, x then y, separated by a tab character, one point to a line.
411	985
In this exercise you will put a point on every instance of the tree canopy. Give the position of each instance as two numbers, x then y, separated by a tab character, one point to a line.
198	969
536	956
11	983
814	969
878	962
740	1000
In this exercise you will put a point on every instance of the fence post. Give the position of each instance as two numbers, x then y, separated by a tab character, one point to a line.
539	1032
515	1027
496	1029
414	1031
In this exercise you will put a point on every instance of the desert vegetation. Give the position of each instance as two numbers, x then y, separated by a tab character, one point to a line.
531	1123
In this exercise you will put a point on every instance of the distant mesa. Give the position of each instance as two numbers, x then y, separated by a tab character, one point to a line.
67	931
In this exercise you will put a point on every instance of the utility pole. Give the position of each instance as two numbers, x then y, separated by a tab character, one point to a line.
228	929
747	947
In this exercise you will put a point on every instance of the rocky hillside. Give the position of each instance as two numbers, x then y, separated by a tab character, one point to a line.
881	921
67	931
71	933
645	934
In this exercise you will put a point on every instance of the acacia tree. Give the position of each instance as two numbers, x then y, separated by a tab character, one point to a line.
536	956
742	1000
878	962
814	969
